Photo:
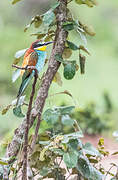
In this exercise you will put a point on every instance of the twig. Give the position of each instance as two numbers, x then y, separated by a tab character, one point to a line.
25	68
25	150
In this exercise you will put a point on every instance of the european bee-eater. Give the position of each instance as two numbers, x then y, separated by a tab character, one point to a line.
34	56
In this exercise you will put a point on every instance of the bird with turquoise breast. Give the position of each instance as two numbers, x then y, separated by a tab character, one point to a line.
34	56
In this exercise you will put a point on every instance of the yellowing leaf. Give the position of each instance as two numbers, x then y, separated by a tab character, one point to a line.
42	154
5	110
57	79
82	63
67	53
84	49
15	1
89	3
89	30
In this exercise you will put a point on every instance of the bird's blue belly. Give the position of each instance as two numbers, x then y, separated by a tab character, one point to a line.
41	60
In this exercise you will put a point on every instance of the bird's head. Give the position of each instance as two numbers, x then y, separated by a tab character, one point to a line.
40	46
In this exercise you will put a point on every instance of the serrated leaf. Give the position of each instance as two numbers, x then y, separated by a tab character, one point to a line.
57	79
65	109
48	17
72	46
16	75
51	116
45	171
69	71
67	120
18	112
67	53
70	159
91	150
87	170
55	5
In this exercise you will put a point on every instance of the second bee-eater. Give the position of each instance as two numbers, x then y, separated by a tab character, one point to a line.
34	56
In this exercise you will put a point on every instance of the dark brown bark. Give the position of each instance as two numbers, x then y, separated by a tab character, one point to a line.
58	47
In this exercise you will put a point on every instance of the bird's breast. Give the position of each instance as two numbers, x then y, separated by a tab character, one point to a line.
41	60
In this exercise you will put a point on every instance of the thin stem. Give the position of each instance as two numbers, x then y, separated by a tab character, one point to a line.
25	149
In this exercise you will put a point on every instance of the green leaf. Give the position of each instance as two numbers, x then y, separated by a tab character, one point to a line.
51	116
67	120
15	1
72	46
82	36
70	159
74	135
48	17
18	112
55	5
59	58
73	143
68	26
57	151
45	171
69	71
44	142
66	109
91	150
87	170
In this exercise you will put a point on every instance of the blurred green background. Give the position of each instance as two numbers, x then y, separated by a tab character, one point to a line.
101	67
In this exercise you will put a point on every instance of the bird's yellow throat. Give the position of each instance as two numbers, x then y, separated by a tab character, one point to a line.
42	48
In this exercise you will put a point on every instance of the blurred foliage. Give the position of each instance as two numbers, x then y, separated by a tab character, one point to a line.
101	71
60	134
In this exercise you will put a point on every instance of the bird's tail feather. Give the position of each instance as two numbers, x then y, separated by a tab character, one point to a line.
23	86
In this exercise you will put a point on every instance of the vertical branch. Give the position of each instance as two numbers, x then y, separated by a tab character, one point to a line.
25	149
58	48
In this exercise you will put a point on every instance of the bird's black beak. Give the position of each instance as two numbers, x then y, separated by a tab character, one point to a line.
46	43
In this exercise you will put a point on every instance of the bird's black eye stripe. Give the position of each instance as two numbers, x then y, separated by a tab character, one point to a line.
37	45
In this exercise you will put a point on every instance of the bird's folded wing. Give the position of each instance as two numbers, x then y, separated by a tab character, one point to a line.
29	60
